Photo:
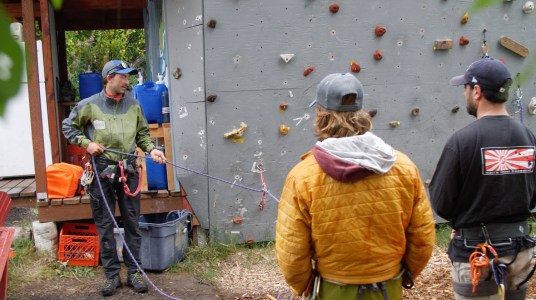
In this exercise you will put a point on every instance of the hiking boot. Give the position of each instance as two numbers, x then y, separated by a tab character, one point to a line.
135	280
110	285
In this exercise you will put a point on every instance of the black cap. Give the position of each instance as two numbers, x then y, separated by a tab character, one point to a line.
490	74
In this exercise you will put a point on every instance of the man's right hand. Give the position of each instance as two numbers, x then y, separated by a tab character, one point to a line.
94	148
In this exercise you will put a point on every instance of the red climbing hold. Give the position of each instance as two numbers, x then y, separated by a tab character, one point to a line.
378	55
380	30
355	67
308	71
334	7
464	40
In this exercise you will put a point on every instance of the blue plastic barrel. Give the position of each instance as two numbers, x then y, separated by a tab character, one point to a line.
150	95
89	84
156	175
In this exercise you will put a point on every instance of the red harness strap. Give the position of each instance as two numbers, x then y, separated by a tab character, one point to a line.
123	178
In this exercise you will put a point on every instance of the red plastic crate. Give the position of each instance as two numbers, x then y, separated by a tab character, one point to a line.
76	155
79	244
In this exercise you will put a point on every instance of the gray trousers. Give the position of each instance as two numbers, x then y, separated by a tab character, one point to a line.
130	212
515	274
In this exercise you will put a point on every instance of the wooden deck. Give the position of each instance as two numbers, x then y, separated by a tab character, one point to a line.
22	192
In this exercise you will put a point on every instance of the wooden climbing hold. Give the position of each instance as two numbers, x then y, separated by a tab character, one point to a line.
334	7
378	55
464	40
465	18
380	31
415	111
212	23
442	44
372	112
308	70
514	46
355	67
284	129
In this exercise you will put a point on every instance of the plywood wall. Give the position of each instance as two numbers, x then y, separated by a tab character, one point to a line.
239	62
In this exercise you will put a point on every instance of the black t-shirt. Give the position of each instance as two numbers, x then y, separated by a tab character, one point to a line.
486	174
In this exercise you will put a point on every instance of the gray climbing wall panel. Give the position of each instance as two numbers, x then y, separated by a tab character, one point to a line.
239	61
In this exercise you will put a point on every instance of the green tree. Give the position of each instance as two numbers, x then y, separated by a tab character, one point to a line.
89	50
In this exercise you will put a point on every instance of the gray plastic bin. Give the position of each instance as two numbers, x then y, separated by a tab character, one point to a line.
164	239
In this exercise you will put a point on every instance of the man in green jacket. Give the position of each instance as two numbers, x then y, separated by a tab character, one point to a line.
112	119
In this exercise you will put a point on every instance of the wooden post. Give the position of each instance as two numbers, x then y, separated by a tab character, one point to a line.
35	100
49	82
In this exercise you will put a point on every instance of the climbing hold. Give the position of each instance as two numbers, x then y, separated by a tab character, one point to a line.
380	31
514	46
455	109
334	7
372	112
464	40
283	106
528	7
442	44
415	111
532	106
177	73
212	23
250	240
236	133
308	70
237	219
284	129
394	124
212	97
286	57
427	182
465	18
355	67
378	55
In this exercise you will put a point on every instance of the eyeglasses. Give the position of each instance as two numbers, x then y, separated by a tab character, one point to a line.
120	65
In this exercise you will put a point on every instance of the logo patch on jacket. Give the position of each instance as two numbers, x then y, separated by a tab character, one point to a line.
513	160
99	124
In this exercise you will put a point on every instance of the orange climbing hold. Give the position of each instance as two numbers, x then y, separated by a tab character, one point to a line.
355	67
308	70
380	31
334	7
378	55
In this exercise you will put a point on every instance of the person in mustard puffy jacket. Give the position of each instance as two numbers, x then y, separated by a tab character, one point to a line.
354	220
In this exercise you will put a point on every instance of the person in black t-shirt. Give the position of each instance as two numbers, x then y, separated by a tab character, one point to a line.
484	185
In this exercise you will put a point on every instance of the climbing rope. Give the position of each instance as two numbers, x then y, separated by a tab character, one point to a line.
480	260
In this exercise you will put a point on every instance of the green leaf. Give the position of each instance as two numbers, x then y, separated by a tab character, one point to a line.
482	4
56	4
11	63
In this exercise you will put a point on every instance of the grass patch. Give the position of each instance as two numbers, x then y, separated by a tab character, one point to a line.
443	232
29	265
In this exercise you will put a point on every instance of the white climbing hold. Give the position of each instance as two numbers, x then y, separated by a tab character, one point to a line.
286	57
528	7
532	106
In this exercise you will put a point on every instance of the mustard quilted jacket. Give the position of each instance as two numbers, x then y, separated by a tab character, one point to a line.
357	232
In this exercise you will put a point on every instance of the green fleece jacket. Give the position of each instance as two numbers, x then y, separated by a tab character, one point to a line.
116	125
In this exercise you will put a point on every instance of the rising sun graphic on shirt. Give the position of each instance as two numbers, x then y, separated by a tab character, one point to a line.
512	160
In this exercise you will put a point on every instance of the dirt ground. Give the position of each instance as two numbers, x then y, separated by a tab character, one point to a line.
247	274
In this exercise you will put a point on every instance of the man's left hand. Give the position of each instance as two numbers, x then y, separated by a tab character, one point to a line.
158	156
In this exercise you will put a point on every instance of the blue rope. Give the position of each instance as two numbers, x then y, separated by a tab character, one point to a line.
267	191
121	236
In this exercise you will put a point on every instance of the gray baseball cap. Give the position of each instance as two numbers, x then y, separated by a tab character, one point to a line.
334	87
491	74
117	67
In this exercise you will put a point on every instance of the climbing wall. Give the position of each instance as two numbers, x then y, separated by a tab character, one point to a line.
247	71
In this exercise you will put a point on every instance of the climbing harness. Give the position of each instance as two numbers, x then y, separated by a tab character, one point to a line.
123	178
479	260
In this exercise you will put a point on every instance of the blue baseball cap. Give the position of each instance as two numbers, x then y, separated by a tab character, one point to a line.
491	74
334	87
118	67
